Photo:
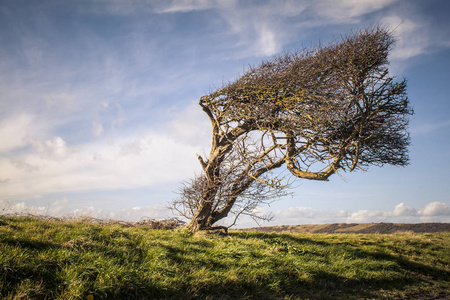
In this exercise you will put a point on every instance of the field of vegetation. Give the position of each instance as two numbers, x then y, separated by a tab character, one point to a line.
53	259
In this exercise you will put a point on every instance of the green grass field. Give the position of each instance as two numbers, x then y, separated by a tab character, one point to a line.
42	259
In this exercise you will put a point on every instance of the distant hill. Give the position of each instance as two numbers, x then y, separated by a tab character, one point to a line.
374	228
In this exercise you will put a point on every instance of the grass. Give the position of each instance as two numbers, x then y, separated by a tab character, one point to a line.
42	259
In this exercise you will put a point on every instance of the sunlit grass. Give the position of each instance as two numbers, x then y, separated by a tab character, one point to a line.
75	260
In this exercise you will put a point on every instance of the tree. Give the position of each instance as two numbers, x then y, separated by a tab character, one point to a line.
315	111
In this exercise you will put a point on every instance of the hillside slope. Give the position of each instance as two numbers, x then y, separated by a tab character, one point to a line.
366	228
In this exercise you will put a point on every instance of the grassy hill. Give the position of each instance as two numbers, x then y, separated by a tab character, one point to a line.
44	259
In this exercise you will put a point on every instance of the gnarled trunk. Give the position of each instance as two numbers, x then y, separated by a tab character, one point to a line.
201	219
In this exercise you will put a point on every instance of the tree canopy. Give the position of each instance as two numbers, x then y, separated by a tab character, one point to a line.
316	111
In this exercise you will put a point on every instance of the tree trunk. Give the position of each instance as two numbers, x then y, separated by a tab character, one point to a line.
195	225
202	217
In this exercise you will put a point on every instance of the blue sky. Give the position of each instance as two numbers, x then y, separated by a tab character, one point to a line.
99	114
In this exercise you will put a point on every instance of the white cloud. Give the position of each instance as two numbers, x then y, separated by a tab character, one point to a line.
21	163
127	214
190	126
348	11
176	6
402	210
58	208
267	42
127	162
132	148
97	128
309	215
431	212
55	149
130	160
363	216
61	208
402	213
435	209
261	29
298	212
412	37
15	131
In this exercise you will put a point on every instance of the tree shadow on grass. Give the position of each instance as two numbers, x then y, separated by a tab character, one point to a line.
336	286
284	281
402	261
29	243
40	276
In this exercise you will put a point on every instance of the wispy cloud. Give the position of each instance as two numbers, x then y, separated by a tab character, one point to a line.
176	6
348	11
61	101
264	28
427	128
413	38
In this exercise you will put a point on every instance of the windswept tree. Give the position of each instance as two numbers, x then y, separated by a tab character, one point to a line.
315	112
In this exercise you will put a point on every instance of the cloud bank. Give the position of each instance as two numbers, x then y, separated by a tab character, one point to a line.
431	212
60	209
402	213
53	166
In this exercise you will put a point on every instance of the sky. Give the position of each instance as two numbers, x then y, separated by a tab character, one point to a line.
99	113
